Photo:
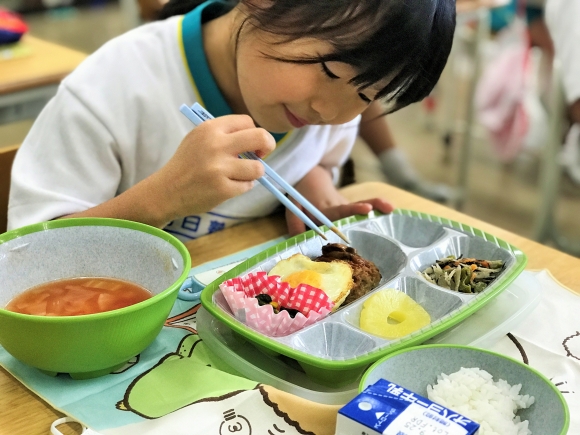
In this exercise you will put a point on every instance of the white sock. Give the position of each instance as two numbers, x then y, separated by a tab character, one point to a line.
570	154
398	169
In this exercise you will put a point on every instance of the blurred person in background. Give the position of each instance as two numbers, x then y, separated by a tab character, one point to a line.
534	13
563	19
374	130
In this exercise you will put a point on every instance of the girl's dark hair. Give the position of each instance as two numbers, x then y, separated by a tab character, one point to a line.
403	43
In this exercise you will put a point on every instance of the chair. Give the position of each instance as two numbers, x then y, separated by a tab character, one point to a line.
6	158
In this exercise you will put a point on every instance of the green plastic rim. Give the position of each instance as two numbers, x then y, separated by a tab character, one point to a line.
101	222
457	346
413	339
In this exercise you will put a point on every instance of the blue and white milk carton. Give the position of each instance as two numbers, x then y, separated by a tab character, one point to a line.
389	409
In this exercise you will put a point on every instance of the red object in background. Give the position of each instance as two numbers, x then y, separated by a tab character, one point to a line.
430	103
12	26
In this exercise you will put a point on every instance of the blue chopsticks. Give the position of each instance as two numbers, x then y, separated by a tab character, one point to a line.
197	114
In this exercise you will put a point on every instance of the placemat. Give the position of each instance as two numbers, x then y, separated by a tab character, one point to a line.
178	386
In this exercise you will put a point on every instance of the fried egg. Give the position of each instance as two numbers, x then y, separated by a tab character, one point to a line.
334	279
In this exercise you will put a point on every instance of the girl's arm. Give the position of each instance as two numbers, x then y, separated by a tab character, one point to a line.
375	132
374	129
318	188
204	172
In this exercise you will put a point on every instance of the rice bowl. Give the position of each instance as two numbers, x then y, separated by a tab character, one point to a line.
493	404
417	368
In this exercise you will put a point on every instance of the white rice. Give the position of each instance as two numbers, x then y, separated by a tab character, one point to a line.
473	393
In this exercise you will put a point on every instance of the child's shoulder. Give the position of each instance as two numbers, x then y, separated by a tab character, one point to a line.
138	67
138	53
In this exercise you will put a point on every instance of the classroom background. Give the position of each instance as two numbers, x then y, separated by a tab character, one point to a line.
445	137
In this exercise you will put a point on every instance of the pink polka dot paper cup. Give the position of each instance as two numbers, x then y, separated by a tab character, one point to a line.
240	293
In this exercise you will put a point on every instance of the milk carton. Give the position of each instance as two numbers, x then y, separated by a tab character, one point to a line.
387	408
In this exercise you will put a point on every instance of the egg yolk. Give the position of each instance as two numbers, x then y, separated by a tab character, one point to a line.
304	277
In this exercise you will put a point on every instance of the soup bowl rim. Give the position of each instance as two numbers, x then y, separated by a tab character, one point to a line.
101	222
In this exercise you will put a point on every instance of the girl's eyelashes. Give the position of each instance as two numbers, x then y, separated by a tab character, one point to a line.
328	72
333	76
364	98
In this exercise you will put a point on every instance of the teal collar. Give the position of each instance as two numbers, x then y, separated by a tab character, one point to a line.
192	40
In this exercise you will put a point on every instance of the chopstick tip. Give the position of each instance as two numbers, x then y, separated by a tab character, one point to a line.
341	235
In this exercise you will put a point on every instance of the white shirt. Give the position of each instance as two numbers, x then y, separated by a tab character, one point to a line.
563	21
115	120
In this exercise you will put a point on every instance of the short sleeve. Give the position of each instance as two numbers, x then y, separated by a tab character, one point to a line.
562	18
67	163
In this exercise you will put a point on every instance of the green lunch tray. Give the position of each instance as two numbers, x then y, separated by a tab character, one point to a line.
334	350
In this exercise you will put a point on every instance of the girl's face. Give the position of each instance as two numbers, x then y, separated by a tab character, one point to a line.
282	95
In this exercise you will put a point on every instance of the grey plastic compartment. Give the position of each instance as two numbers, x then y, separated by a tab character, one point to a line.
437	302
461	245
384	253
333	340
410	231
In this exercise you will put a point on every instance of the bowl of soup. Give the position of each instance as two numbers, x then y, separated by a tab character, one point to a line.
83	296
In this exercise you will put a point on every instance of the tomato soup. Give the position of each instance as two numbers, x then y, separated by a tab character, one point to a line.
77	296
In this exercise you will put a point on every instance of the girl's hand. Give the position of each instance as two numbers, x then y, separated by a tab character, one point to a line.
206	170
296	226
317	186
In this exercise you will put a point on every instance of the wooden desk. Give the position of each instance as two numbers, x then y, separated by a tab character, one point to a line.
27	82
21	412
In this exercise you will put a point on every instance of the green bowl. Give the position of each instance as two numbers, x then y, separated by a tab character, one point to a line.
90	345
416	367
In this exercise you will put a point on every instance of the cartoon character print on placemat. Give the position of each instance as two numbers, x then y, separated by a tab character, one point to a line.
262	410
561	385
548	339
559	381
572	346
188	389
186	320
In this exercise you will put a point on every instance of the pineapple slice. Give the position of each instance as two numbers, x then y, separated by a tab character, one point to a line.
391	314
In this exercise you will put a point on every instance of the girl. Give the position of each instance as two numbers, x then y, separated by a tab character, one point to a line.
112	142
